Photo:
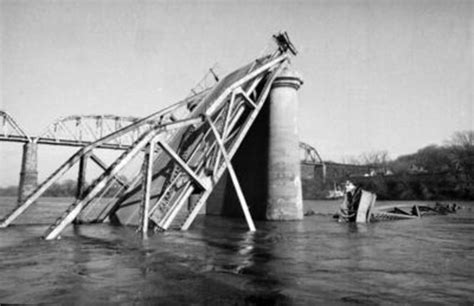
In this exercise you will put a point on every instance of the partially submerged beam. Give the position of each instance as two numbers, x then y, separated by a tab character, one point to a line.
99	162
81	177
73	211
233	177
171	214
146	186
236	143
77	156
182	164
41	189
383	213
242	117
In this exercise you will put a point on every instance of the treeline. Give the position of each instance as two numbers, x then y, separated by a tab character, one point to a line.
427	186
432	173
66	188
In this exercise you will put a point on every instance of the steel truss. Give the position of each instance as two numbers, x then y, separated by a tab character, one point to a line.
86	129
310	154
11	130
180	151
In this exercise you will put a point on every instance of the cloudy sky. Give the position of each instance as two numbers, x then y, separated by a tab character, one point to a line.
379	75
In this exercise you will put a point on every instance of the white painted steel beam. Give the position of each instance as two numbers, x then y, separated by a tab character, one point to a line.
233	177
146	186
99	162
173	211
76	157
239	138
73	211
182	164
247	99
218	102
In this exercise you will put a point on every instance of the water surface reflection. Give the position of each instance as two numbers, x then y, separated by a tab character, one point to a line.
219	263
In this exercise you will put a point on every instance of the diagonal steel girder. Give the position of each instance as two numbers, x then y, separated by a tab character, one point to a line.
236	109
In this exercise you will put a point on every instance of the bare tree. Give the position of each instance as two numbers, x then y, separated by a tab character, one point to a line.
462	138
461	152
350	159
375	158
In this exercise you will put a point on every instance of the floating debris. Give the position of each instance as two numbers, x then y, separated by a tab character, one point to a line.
359	206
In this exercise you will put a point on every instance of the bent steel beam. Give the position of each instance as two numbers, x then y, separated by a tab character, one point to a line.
71	213
182	164
205	132
146	185
237	140
59	172
233	177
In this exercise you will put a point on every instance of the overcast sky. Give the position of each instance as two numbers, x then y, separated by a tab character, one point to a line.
379	75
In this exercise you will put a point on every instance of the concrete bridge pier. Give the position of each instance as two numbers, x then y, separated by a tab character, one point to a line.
284	198
268	161
29	171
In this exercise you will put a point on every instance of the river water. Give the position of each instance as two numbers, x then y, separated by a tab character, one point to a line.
217	262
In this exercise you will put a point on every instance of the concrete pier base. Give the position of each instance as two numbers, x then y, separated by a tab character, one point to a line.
284	199
250	164
268	162
29	171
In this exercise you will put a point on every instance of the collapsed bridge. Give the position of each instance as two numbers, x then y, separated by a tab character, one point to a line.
177	159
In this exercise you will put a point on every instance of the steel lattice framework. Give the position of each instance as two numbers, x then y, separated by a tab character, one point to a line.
86	129
11	130
82	130
309	154
180	151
